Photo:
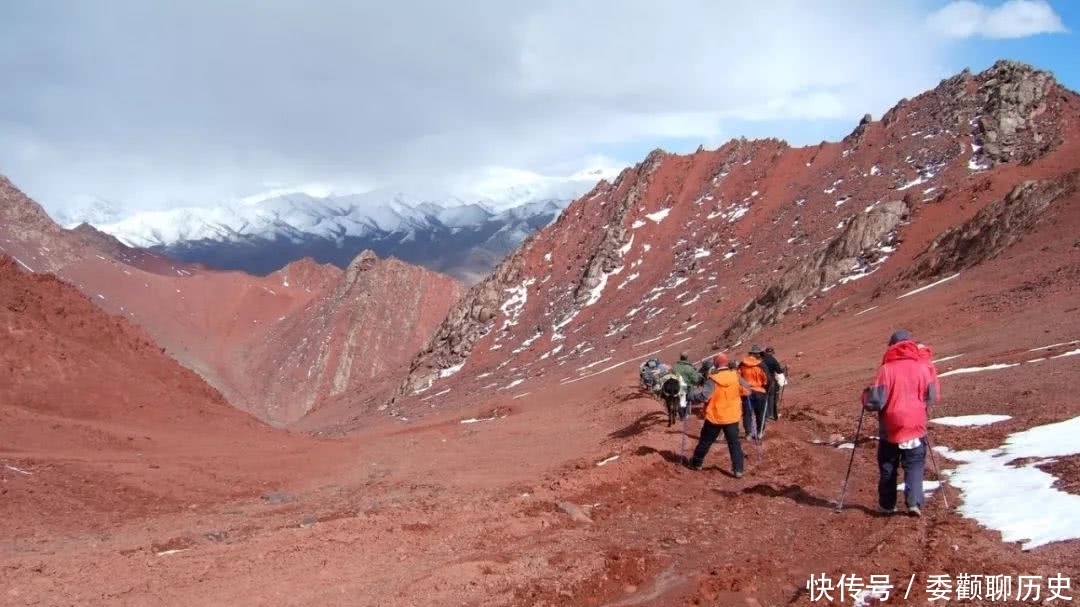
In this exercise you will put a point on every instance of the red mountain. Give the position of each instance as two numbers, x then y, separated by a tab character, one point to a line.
276	346
710	248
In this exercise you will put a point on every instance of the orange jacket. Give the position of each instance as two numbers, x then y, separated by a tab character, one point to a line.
751	370
725	403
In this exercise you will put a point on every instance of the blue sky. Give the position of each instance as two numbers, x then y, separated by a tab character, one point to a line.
160	105
1058	53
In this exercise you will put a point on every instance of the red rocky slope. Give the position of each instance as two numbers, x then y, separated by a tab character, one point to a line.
275	346
708	248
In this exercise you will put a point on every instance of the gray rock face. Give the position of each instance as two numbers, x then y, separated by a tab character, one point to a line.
467	322
992	230
857	246
1011	96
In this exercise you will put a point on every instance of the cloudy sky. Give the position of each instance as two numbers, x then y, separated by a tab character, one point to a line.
157	104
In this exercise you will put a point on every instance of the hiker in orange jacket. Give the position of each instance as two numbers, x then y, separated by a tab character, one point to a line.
754	395
723	410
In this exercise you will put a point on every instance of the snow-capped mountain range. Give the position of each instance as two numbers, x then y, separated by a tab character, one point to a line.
463	234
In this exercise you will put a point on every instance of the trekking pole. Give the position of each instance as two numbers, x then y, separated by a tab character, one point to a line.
854	445
682	442
937	471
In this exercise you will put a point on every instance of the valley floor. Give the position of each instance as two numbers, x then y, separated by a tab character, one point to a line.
449	513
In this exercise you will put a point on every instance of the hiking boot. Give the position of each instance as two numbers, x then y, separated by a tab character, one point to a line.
914	511
738	474
884	510
693	466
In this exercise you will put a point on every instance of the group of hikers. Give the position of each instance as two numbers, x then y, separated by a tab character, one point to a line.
750	390
732	391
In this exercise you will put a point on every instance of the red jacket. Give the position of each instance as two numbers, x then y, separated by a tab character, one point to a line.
927	356
902	390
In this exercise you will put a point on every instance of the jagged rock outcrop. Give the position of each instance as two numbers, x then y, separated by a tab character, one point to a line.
863	244
349	341
468	320
607	257
1012	96
993	229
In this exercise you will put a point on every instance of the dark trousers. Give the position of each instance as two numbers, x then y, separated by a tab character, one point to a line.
753	412
773	396
709	433
890	458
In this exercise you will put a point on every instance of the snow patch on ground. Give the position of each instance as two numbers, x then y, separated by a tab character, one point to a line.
659	215
515	303
528	342
699	253
598	290
21	263
570	380
593	364
874	170
929	286
1052	346
979	369
983	419
627	281
866	310
1069	353
974	164
921	179
646	247
473	420
1000	496
547	257
943	359
442	393
637	224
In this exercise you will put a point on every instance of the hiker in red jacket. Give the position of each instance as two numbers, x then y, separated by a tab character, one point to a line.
902	390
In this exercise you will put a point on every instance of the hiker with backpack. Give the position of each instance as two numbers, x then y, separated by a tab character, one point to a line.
777	377
691	379
754	394
903	389
723	410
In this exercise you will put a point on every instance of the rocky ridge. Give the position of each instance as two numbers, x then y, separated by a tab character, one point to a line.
740	236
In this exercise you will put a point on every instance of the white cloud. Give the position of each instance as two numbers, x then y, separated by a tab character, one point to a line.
1011	19
157	104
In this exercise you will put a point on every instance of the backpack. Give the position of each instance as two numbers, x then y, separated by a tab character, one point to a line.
671	386
649	371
